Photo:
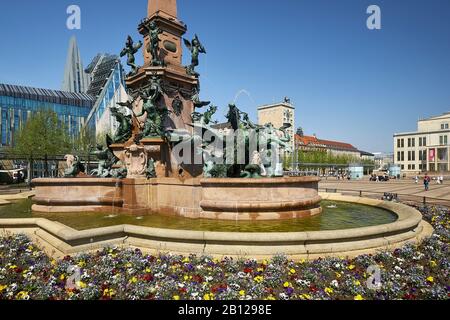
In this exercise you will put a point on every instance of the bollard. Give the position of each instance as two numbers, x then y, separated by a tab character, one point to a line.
424	200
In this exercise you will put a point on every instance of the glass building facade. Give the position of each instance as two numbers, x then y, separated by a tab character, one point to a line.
108	86
18	104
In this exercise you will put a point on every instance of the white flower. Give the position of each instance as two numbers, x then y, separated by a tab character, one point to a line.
335	283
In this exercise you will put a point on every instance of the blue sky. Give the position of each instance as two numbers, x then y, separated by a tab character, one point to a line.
347	82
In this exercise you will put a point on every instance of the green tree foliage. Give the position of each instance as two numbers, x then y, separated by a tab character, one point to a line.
327	158
42	136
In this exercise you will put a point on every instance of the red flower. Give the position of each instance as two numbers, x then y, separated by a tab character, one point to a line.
313	289
248	270
148	277
197	279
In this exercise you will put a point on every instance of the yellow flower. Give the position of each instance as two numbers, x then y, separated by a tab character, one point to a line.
13	267
302	261
265	263
62	277
357	283
81	284
208	296
176	298
82	264
133	280
292	271
242	293
186	260
259	279
148	270
2	287
305	296
430	279
286	284
358	297
351	267
260	269
433	264
271	297
30	248
329	291
22	295
109	293
338	275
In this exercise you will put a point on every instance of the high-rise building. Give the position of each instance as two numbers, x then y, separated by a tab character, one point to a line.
279	114
107	85
75	79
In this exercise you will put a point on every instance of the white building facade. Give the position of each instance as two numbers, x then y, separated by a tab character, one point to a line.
427	149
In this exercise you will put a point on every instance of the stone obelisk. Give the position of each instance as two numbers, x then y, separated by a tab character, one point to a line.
178	85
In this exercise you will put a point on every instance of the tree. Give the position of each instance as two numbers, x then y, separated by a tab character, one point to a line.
42	136
84	144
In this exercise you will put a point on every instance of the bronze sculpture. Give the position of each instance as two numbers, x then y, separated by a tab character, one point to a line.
130	50
124	132
156	116
106	158
153	46
196	48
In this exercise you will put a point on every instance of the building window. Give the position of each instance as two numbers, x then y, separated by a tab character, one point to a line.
403	156
398	143
413	167
424	141
409	142
403	167
398	156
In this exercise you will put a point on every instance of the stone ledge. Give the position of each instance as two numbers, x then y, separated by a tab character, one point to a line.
65	240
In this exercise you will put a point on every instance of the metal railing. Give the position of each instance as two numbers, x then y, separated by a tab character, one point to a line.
406	198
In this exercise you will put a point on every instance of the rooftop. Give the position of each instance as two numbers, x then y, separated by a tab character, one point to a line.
47	95
278	104
315	142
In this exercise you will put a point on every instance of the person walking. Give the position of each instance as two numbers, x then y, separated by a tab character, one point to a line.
426	182
417	180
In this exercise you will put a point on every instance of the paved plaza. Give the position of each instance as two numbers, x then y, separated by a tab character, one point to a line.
406	189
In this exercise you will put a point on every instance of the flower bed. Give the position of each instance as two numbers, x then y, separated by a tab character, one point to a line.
413	272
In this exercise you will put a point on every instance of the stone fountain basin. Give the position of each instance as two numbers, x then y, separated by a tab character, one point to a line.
219	199
59	240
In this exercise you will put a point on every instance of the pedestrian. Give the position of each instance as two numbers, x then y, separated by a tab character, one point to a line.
417	180
426	182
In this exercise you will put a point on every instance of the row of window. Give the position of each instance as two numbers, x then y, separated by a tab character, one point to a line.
412	142
422	167
12	119
443	141
444	126
412	155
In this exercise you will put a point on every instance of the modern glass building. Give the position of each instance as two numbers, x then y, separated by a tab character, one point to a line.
107	85
18	103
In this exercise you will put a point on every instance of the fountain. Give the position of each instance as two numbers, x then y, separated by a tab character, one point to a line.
140	170
167	159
